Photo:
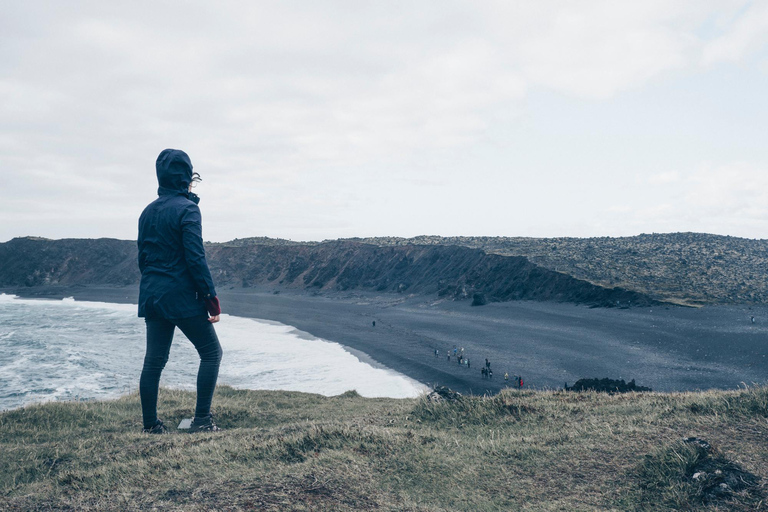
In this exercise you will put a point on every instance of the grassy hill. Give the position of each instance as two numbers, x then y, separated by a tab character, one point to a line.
293	451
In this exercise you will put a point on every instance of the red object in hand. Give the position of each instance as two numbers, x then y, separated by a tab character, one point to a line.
213	306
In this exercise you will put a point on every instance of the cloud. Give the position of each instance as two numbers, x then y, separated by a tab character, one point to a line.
286	104
327	81
738	190
664	178
741	37
597	49
726	199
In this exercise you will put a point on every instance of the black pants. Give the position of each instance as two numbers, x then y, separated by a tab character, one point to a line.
159	337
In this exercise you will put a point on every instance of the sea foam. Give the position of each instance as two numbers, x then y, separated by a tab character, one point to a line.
68	349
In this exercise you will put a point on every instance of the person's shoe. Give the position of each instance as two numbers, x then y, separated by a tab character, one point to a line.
159	428
203	425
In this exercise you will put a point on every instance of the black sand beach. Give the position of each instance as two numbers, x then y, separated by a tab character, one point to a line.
549	344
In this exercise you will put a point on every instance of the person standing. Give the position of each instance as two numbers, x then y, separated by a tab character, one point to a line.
176	289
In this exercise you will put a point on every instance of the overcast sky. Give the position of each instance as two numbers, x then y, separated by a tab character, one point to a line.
314	120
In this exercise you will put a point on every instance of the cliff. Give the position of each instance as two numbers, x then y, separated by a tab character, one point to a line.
448	271
443	270
686	268
32	261
690	268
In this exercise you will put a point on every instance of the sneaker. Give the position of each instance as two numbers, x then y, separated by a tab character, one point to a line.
203	425
159	428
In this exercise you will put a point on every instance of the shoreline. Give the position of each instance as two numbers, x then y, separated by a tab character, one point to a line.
68	349
549	344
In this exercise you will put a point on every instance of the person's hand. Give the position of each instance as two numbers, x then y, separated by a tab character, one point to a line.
214	308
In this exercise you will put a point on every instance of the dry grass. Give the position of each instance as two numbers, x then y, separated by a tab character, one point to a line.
293	451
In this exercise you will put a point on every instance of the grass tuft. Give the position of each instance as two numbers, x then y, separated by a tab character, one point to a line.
472	410
686	476
748	402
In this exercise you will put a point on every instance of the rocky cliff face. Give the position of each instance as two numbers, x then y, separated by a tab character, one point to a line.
691	268
446	271
39	262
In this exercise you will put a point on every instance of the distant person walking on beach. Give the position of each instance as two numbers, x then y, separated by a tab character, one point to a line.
176	288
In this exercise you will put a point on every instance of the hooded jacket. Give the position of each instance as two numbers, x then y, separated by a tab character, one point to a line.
175	278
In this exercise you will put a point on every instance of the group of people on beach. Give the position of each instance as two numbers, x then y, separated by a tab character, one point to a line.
458	355
486	372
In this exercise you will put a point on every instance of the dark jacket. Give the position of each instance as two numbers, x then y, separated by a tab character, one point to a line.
174	273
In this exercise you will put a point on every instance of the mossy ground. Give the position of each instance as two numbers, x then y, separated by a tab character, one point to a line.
517	450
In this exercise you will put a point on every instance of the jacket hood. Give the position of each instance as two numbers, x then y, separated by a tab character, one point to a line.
174	170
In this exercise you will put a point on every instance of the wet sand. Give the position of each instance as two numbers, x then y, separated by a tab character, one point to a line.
549	344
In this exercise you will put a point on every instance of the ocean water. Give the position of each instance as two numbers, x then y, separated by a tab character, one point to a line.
67	349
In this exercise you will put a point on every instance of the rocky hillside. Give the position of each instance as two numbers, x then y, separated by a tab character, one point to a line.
691	268
687	268
35	261
446	271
